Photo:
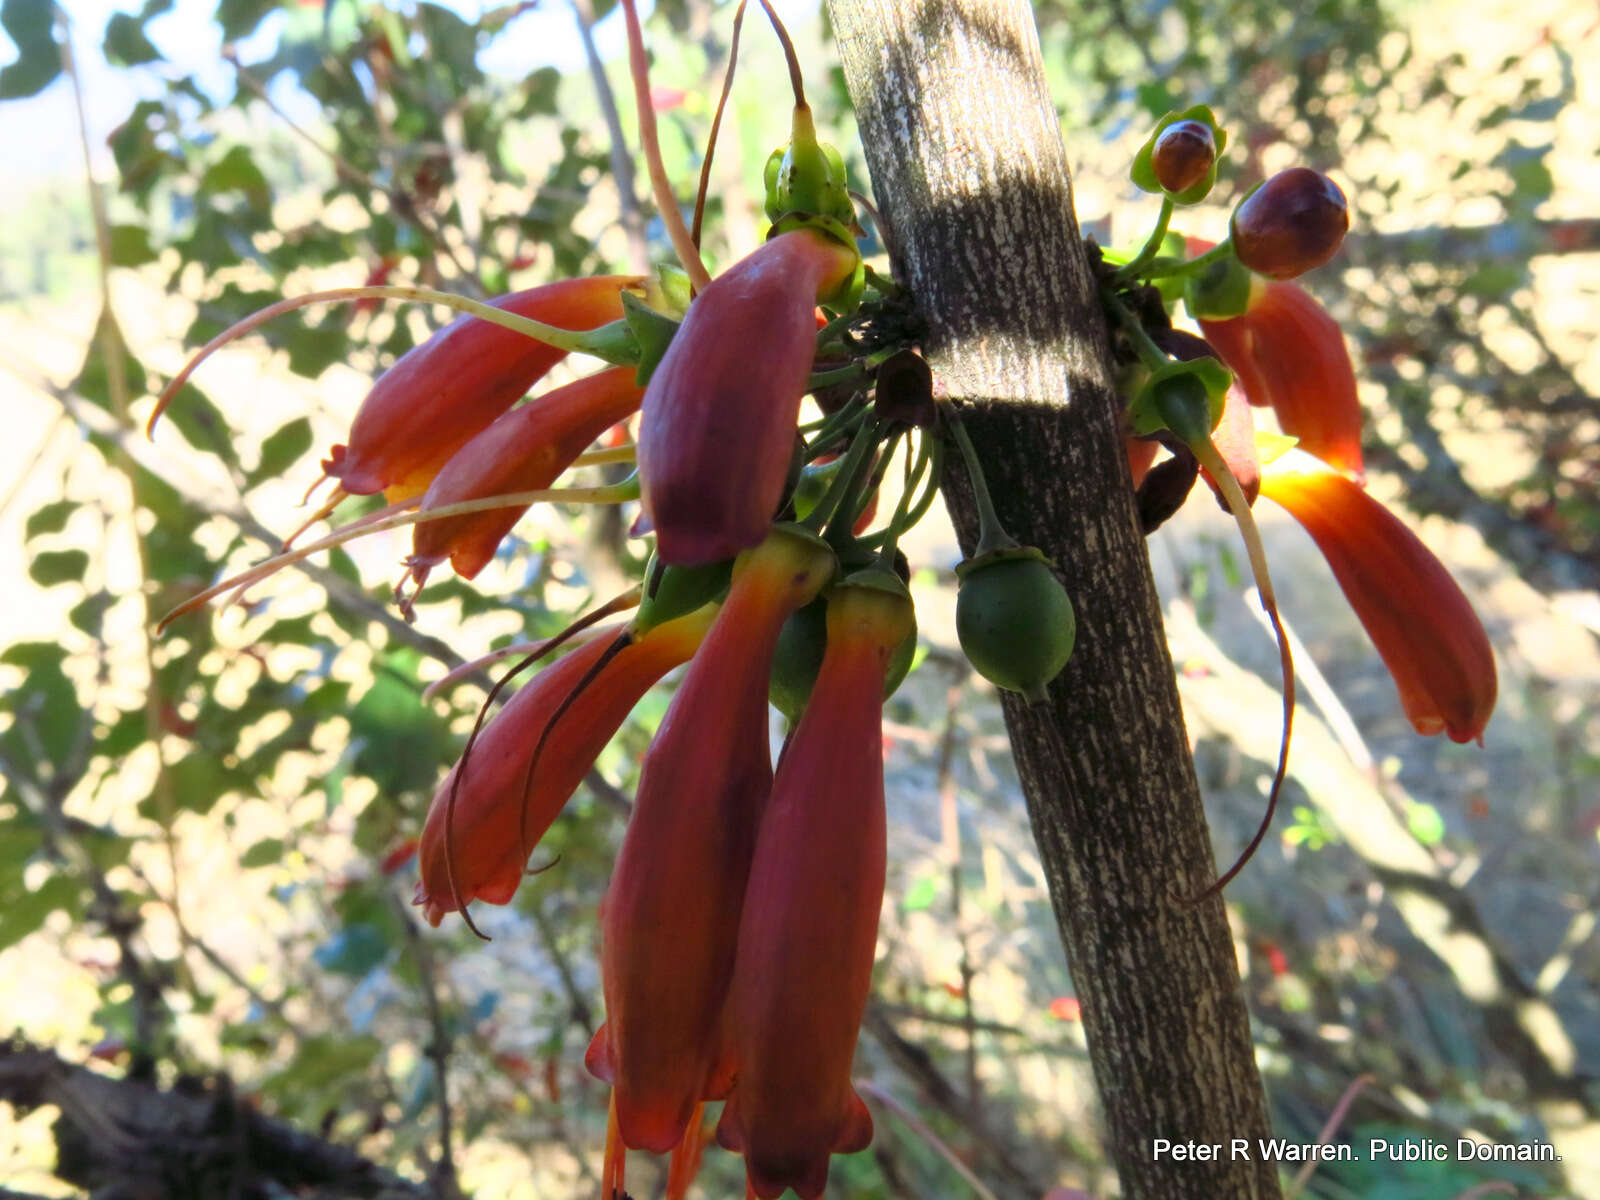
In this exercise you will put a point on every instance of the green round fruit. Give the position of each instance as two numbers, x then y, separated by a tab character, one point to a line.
1014	620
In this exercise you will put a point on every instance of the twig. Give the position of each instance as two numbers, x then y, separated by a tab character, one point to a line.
1329	1128
438	1048
920	1128
633	223
353	173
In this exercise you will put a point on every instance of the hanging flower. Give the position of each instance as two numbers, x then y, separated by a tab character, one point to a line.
1424	627
500	812
522	450
1289	354
810	921
718	428
670	919
444	391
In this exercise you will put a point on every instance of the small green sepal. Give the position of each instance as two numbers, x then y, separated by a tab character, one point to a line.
672	591
1143	172
1221	291
652	333
1153	408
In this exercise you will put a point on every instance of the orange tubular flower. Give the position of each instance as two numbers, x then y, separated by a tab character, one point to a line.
496	822
720	412
523	450
810	921
443	392
1423	626
670	921
1288	353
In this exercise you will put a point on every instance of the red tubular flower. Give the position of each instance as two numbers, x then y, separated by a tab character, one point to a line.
523	450
1423	626
670	921
488	826
443	392
810	921
720	412
1287	352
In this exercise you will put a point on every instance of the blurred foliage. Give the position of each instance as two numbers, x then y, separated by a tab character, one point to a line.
291	738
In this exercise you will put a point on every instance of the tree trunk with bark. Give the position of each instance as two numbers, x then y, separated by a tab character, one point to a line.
971	176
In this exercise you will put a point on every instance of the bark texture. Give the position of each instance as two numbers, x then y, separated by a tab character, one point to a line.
970	173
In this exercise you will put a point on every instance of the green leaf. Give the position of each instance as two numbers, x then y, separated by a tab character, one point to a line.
130	246
31	26
50	567
323	1062
24	912
353	951
126	43
52	518
239	18
45	705
314	348
93	381
263	854
236	172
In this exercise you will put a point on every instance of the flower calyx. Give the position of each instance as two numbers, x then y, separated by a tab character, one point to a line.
1179	159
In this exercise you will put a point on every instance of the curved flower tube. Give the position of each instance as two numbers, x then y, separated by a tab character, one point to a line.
720	411
487	827
442	392
1418	618
522	450
810	924
670	921
1287	352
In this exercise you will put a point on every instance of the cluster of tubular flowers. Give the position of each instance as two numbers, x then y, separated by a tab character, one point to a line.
739	926
1288	355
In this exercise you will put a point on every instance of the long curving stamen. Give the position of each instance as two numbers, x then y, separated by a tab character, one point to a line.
616	604
716	126
1219	470
562	339
666	202
591	495
623	640
796	83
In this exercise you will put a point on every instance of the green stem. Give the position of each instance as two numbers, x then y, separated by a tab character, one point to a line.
1150	354
1152	244
991	534
829	429
842	527
899	522
866	438
614	343
821	379
1201	261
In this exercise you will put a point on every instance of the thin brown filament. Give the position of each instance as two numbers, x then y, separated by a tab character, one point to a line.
623	640
716	126
639	67
1219	470
550	335
793	59
617	604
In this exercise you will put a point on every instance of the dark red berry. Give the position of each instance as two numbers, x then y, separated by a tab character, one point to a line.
1183	154
1290	224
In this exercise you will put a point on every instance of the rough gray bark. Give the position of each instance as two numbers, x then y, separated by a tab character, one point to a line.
970	173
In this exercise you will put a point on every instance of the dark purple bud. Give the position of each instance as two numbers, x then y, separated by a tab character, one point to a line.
1293	222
